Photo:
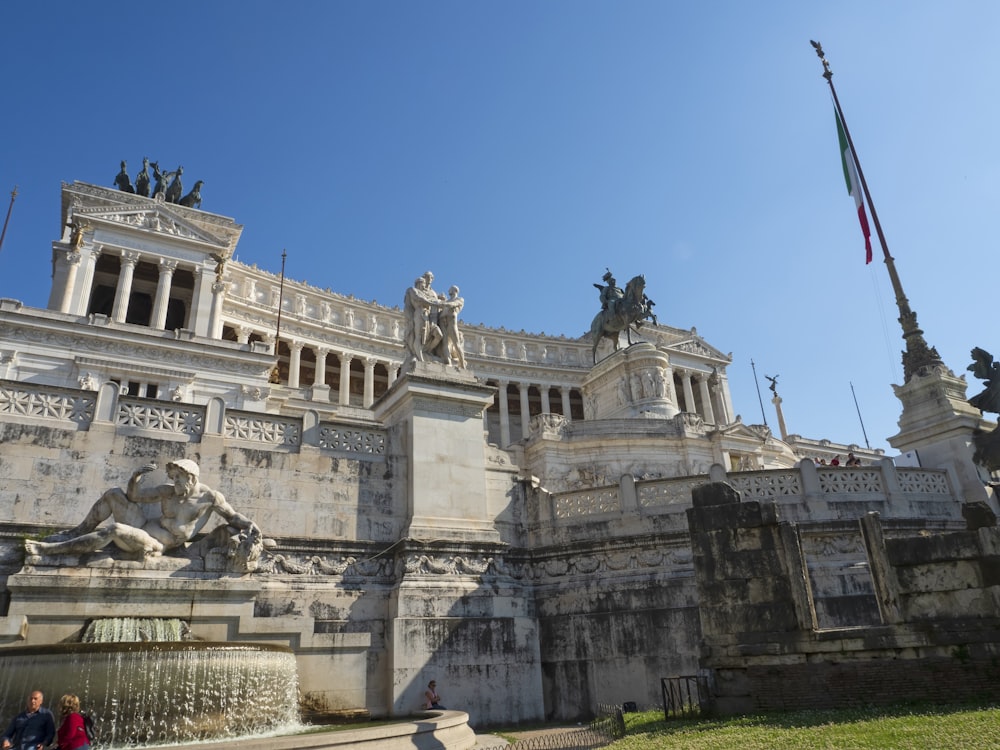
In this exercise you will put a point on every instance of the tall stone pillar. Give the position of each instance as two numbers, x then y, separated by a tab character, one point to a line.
294	362
706	399
525	410
369	393
546	406
440	414
215	319
504	415
566	408
73	259
689	404
124	290
454	608
161	303
320	376
345	378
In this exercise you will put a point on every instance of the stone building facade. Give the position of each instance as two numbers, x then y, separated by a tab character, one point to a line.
515	529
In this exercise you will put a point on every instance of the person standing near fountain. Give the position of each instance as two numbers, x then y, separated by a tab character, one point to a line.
186	506
71	735
32	729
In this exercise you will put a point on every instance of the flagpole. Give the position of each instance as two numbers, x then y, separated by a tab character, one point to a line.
756	383
918	354
13	195
858	409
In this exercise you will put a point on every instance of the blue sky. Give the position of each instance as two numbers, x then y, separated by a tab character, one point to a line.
518	148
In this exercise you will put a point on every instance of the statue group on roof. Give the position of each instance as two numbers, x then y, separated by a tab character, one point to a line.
167	186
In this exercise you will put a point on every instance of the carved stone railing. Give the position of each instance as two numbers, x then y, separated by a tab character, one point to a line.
351	439
803	493
47	402
186	419
262	428
180	421
586	502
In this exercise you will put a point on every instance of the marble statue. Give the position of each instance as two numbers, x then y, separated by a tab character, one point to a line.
432	332
448	319
142	179
122	181
186	505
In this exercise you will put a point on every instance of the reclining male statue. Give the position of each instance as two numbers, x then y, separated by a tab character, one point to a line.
186	505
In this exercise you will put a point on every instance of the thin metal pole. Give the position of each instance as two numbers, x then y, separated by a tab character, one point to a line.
858	409
13	195
275	376
756	383
918	354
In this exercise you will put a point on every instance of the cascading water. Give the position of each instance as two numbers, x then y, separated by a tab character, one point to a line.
145	691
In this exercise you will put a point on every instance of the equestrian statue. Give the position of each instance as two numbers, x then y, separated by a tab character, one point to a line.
620	311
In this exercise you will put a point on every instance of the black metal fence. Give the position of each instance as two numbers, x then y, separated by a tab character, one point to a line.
685	697
607	726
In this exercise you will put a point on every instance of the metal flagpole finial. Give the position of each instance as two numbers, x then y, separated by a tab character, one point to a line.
827	73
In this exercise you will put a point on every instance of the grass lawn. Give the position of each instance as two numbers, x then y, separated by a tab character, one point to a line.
887	728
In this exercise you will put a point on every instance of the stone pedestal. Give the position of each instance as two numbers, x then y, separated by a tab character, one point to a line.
937	422
435	413
633	382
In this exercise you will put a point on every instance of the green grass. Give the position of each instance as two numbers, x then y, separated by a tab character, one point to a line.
888	728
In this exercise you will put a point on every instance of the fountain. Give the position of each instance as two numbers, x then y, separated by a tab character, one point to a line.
148	686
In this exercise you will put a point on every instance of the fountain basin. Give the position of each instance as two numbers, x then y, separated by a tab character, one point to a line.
152	693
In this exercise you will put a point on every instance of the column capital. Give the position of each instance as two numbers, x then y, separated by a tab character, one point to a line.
130	257
370	362
296	346
168	265
73	257
322	351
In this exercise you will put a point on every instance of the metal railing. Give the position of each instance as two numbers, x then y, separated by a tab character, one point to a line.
605	728
685	697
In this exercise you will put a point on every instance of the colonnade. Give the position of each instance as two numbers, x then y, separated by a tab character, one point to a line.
710	403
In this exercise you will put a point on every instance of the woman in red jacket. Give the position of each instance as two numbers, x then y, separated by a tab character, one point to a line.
71	734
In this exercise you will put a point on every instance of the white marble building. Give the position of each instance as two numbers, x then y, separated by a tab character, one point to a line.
515	529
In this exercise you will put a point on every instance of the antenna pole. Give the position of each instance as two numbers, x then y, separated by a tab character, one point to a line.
858	409
756	383
13	195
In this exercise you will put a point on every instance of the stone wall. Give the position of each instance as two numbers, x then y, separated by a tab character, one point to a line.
937	594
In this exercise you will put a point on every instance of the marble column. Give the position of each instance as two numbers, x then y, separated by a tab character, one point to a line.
706	399
566	407
243	334
73	259
215	319
525	411
369	394
320	377
345	378
689	404
163	283
504	414
294	362
546	406
393	373
124	291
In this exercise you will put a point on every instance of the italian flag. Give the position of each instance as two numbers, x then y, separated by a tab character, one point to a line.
854	185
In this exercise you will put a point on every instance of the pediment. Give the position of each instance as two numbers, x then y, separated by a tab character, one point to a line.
738	429
697	346
158	219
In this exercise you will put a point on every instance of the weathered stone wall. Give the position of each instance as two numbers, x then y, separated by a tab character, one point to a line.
937	637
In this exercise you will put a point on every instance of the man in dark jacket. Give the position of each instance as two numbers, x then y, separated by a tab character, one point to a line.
32	729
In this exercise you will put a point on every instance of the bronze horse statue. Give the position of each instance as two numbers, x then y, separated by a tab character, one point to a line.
632	309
